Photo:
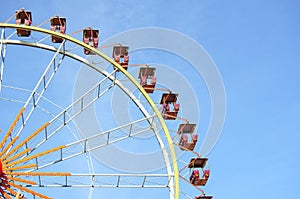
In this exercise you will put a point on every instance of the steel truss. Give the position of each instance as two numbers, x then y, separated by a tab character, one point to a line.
106	181
74	109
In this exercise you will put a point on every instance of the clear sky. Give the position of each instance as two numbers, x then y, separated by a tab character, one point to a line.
255	45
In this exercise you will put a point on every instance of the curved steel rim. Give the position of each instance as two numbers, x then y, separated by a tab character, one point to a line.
129	76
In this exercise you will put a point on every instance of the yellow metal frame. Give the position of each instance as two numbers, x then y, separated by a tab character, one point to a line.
129	76
8	167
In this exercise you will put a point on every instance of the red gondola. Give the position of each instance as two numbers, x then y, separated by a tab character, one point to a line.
58	24
91	38
147	74
196	180
198	162
121	55
168	99
185	142
23	18
203	197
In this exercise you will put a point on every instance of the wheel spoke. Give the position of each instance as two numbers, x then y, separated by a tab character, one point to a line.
40	87
2	53
73	110
106	181
95	142
22	161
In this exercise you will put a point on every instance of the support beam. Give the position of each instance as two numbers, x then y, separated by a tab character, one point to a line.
92	143
41	86
106	181
2	56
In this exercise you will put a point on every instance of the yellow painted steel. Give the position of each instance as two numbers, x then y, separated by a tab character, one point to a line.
9	145
6	196
28	166
11	127
129	76
28	190
35	156
26	140
11	191
22	180
15	156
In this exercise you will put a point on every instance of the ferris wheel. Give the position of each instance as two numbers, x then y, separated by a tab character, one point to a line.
52	145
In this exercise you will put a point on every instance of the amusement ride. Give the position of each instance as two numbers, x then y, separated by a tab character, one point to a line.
41	145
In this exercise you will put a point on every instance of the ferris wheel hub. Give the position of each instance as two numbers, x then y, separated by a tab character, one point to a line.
3	178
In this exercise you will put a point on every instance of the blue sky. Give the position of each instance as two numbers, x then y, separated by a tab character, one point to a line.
255	45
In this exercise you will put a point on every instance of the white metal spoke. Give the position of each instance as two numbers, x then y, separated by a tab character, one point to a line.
117	82
186	196
40	87
106	181
95	142
43	39
2	53
73	110
63	118
11	35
